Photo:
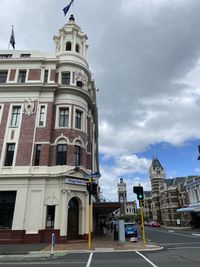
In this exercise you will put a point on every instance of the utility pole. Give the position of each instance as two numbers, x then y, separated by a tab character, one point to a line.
89	187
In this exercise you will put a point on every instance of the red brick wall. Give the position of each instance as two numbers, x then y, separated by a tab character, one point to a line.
34	74
70	155
53	75
12	75
25	140
3	124
43	134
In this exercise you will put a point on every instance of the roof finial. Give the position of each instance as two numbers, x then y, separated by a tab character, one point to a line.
72	18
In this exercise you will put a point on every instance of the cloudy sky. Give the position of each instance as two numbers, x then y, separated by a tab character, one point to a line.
144	55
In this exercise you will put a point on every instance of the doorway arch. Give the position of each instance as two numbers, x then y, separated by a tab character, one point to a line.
73	219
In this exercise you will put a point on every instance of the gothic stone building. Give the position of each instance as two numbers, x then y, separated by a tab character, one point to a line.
48	140
166	196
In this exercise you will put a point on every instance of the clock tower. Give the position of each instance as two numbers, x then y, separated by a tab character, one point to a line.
157	175
122	196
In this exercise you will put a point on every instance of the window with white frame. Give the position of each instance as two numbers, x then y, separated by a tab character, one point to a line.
61	157
77	155
46	74
22	76
3	76
65	78
15	116
42	116
63	117
10	149
78	119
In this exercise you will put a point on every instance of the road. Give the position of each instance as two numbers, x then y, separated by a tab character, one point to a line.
181	248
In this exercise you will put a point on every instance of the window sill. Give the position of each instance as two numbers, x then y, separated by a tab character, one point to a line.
7	167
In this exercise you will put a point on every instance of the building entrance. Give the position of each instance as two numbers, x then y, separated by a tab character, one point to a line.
73	218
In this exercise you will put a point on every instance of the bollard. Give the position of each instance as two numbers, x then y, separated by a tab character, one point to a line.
53	241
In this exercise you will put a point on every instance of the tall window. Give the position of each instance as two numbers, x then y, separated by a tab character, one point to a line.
77	155
10	149
65	77
15	116
61	154
78	119
7	206
22	76
50	216
68	46
46	72
37	155
77	48
63	117
42	116
3	76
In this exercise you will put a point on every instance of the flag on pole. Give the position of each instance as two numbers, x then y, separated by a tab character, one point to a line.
12	38
66	9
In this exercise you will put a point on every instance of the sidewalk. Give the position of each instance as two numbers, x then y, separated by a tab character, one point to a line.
103	243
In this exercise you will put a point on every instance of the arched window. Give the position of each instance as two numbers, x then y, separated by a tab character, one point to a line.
77	48
61	153
68	46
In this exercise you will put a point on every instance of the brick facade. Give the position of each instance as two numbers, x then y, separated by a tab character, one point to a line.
12	75
34	74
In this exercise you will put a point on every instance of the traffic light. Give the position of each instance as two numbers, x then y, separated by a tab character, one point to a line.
92	188
89	187
138	190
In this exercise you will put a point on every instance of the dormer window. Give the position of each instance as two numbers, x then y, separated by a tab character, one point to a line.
77	48
68	46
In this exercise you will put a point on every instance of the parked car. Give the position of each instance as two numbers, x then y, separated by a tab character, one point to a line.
130	230
152	223
155	224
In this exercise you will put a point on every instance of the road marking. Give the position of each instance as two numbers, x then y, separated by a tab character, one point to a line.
171	231
174	233
152	264
183	248
89	260
163	244
196	234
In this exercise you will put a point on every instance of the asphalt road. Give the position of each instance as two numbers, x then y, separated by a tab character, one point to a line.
181	248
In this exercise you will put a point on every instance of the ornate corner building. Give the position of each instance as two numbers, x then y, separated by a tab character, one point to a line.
48	140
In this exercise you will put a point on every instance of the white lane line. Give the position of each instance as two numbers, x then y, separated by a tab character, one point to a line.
152	264
180	243
89	260
183	248
174	233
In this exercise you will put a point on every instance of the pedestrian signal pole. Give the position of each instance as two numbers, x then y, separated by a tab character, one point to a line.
92	189
138	190
89	189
